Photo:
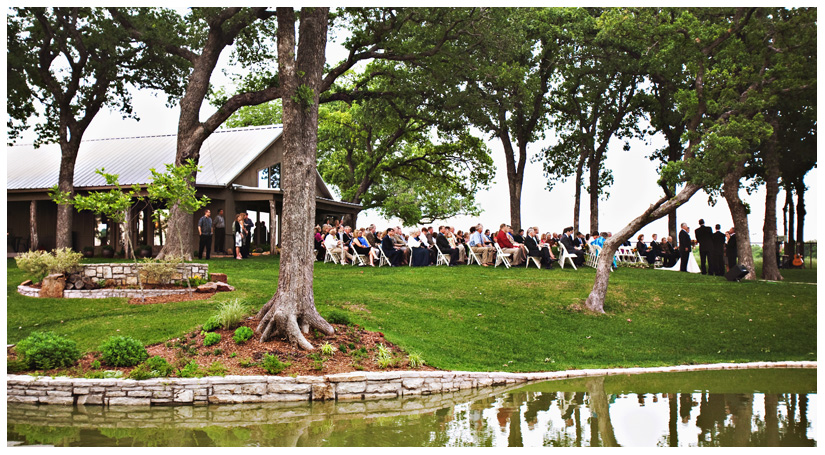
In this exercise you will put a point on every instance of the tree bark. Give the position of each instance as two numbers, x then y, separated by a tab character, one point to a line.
515	172
291	311
578	198
273	240
65	212
595	301
770	267
595	165
790	231
33	240
738	211
800	215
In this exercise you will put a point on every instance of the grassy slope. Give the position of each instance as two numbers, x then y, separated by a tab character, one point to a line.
474	318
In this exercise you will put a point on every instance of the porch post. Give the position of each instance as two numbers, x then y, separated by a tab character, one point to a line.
33	226
272	239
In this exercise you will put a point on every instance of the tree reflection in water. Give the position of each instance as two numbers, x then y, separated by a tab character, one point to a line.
595	411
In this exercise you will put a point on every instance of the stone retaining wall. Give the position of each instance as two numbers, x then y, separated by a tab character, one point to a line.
123	274
261	389
103	293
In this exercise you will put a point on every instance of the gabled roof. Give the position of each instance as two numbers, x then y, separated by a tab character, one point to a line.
224	155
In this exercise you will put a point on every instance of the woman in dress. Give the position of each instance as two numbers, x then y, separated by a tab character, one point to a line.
420	253
240	233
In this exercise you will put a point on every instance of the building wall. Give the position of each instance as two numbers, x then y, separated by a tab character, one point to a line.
274	154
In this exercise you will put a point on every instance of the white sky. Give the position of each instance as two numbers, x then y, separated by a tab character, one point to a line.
634	186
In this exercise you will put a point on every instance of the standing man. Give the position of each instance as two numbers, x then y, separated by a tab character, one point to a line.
220	232
684	247
731	249
718	254
704	236
205	231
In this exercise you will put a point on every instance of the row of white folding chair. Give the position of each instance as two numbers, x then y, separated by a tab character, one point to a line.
593	255
534	259
502	257
563	254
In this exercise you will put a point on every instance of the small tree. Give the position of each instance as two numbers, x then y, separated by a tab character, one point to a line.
115	204
176	187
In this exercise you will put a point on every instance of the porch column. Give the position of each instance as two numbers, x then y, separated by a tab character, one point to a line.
33	226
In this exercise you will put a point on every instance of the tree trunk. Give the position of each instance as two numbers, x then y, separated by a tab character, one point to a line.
665	205
770	267
515	172
738	211
350	219
65	212
595	165
33	240
178	235
600	407
291	310
791	235
800	215
578	198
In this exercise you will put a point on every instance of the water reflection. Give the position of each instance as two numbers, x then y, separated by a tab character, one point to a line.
724	408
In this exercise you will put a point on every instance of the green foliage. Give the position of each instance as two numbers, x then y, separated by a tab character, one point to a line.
177	187
216	368
273	365
247	362
16	365
106	374
415	360
191	370
242	334
160	271
231	313
338	317
211	324
122	351
95	365
327	349
47	350
384	358
211	338
317	361
159	365
38	264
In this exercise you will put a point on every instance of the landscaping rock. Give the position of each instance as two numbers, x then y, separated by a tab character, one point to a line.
213	286
53	286
26	283
221	277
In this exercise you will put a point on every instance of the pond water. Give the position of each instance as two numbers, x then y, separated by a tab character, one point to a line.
765	407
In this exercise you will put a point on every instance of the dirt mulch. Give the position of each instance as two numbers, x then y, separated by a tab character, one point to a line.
171	298
361	348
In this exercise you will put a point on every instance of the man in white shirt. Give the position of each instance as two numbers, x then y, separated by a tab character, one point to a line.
477	244
333	245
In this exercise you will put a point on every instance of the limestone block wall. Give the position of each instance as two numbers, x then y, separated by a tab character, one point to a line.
261	389
124	274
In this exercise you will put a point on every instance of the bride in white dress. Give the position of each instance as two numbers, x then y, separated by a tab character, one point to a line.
692	266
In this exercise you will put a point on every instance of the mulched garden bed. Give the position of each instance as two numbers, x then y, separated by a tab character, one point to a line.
360	346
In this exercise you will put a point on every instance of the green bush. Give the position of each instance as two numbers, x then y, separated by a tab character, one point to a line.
153	367
211	338
38	264
216	368
231	314
159	271
15	365
273	365
242	334
211	324
191	370
338	317
120	351
44	351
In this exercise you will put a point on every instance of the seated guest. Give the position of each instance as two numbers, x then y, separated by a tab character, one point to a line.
457	242
567	241
645	250
669	253
519	236
655	249
388	246
401	244
477	244
531	242
443	245
371	236
336	246
420	254
503	238
319	239
361	246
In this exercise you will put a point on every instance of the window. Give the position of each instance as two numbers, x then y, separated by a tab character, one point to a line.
270	177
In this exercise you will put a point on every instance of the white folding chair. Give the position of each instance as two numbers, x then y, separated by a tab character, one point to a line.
563	254
440	258
471	256
330	257
534	259
502	257
357	257
383	259
593	255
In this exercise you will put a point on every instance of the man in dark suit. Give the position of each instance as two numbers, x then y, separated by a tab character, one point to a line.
684	247
704	236
532	244
443	245
394	255
731	249
568	242
718	253
519	236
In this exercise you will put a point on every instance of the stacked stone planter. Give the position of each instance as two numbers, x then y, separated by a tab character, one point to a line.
261	389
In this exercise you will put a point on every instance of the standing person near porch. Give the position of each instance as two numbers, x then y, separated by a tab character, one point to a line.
248	225
205	231
238	230
220	232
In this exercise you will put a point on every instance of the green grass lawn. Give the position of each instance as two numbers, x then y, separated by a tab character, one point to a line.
486	319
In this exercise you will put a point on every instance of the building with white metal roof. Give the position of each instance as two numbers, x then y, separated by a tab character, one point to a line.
240	171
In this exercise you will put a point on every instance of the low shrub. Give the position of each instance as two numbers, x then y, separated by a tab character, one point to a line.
142	372
242	334
211	324
216	368
191	370
15	365
159	271
338	317
64	260
211	338
107	374
121	351
231	313
415	360
38	264
96	365
327	349
273	365
159	365
44	351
